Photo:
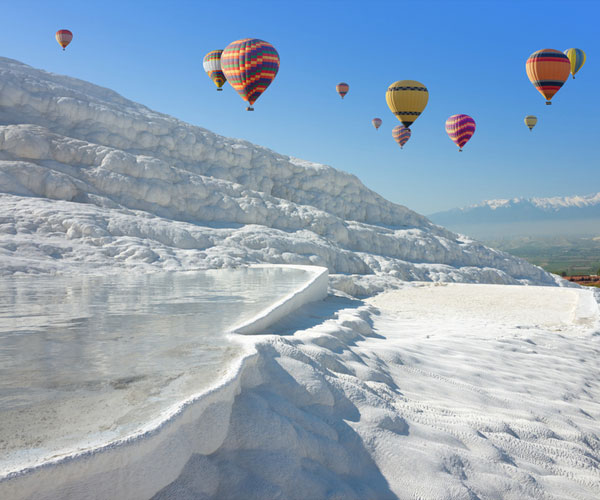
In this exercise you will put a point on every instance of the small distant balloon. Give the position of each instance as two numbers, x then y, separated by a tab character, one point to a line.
342	89
460	128
407	100
548	70
250	65
212	66
64	37
576	58
401	135
530	121
376	122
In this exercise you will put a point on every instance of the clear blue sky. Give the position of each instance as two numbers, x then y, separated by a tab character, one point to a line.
471	55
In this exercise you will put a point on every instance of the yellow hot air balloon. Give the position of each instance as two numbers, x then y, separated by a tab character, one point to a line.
576	58
530	121
407	100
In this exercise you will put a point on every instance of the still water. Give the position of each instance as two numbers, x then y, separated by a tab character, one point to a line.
86	360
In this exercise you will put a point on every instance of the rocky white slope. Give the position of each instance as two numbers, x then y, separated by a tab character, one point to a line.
92	182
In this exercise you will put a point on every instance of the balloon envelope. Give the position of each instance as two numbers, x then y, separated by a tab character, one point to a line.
401	134
376	122
530	121
460	128
548	69
407	100
342	89
64	37
250	65
212	65
576	58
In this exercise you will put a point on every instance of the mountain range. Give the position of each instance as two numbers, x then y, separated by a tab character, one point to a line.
569	215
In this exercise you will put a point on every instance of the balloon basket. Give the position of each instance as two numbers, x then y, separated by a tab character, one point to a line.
249	108
219	90
548	103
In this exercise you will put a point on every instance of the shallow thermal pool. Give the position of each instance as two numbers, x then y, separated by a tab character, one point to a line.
86	360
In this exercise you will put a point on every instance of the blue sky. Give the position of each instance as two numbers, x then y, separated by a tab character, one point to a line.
471	55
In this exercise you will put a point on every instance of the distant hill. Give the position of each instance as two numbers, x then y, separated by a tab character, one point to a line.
572	216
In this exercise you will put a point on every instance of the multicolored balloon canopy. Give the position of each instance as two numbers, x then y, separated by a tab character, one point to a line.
401	135
212	65
342	89
250	65
548	70
407	100
576	58
376	122
530	121
64	37
460	128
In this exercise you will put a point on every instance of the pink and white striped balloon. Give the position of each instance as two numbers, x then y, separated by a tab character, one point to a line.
460	128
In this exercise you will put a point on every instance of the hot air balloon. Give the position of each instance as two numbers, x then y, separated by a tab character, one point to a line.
212	65
530	121
250	65
548	69
460	128
64	37
376	122
576	58
407	100
342	89
401	134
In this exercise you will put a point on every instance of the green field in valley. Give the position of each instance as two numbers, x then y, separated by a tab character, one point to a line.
555	254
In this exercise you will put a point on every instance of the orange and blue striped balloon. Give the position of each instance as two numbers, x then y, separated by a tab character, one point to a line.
342	89
576	58
64	37
250	65
548	70
460	128
212	65
401	135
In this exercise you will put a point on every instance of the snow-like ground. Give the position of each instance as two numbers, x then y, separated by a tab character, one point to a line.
92	182
433	391
429	391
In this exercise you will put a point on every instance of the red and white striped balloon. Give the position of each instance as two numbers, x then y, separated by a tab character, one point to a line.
64	37
376	122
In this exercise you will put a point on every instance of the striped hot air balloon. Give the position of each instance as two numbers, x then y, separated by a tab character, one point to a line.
548	70
376	122
576	58
401	135
407	100
212	65
530	121
460	128
250	65
64	37
342	89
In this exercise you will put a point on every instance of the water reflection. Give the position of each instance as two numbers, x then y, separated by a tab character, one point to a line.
109	353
